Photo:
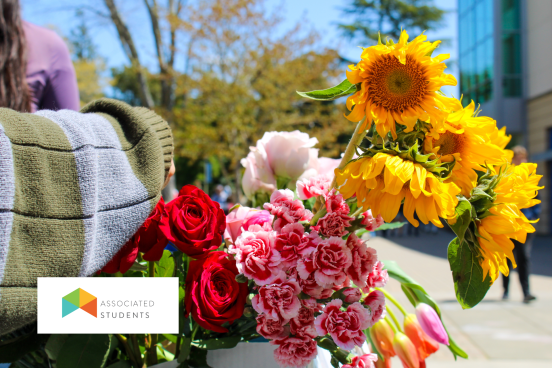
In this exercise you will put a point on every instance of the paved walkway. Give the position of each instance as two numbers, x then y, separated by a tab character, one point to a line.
494	333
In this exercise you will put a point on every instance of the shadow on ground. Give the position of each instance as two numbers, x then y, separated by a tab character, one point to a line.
434	242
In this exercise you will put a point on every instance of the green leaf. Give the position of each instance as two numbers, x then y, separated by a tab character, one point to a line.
467	274
463	218
171	338
386	226
165	266
309	203
84	351
120	364
198	358
16	348
184	349
221	343
54	344
342	89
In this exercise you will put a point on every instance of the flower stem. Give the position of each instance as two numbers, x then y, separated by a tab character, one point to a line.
194	331
151	269
129	352
393	317
356	139
393	300
391	324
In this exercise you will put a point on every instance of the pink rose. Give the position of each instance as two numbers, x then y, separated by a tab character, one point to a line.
295	352
328	261
241	218
327	166
364	258
258	176
345	327
304	318
271	328
289	154
279	300
286	209
370	222
313	187
352	295
377	278
375	301
255	255
364	361
288	242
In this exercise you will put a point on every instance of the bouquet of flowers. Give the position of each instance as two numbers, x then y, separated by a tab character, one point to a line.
294	268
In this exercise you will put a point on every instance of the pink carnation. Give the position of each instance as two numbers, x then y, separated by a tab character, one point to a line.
351	295
370	222
286	209
271	328
328	261
295	352
334	224
335	203
313	187
364	361
345	327
290	240
363	260
300	324
377	278
375	301
310	287
256	257
279	300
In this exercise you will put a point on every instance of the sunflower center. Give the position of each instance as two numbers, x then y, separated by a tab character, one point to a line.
449	143
397	86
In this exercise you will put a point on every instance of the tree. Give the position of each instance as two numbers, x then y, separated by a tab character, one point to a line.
88	65
372	18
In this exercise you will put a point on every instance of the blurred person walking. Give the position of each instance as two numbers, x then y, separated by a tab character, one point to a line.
36	71
522	251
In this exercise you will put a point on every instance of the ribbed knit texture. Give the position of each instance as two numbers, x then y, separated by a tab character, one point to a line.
74	187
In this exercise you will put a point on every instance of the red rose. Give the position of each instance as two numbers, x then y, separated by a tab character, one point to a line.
213	295
193	222
151	240
124	258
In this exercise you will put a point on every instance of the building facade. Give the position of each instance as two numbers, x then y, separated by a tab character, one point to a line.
505	48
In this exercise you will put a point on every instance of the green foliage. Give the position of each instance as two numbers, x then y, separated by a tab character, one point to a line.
54	345
165	266
344	88
372	19
416	293
386	226
13	348
463	218
84	351
469	284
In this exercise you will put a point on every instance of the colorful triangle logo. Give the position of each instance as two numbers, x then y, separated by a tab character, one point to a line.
79	299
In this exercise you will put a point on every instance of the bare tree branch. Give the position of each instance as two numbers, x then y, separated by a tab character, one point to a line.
131	52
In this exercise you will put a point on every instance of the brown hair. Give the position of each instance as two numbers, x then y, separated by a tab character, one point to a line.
14	91
519	151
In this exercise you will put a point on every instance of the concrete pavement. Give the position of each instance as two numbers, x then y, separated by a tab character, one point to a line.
495	333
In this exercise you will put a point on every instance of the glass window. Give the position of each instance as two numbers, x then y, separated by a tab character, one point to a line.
470	28
511	55
481	62
461	6
462	41
510	14
488	17
489	58
511	86
480	21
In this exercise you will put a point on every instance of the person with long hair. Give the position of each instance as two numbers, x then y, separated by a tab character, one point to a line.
36	72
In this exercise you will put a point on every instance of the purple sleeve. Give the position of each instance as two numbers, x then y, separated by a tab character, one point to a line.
61	90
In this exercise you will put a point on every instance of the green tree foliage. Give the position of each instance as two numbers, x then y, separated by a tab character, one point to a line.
388	17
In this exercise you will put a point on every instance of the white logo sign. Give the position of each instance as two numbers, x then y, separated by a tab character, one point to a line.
107	305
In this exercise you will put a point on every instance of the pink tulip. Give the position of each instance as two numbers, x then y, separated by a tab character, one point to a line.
431	323
406	351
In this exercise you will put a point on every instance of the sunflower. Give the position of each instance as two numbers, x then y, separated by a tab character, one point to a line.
382	182
400	82
516	190
467	140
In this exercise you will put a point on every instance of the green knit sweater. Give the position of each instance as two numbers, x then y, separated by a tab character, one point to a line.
74	187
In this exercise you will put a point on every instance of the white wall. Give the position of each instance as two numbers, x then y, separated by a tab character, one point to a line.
539	46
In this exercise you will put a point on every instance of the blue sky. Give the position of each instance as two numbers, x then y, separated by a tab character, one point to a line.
320	14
